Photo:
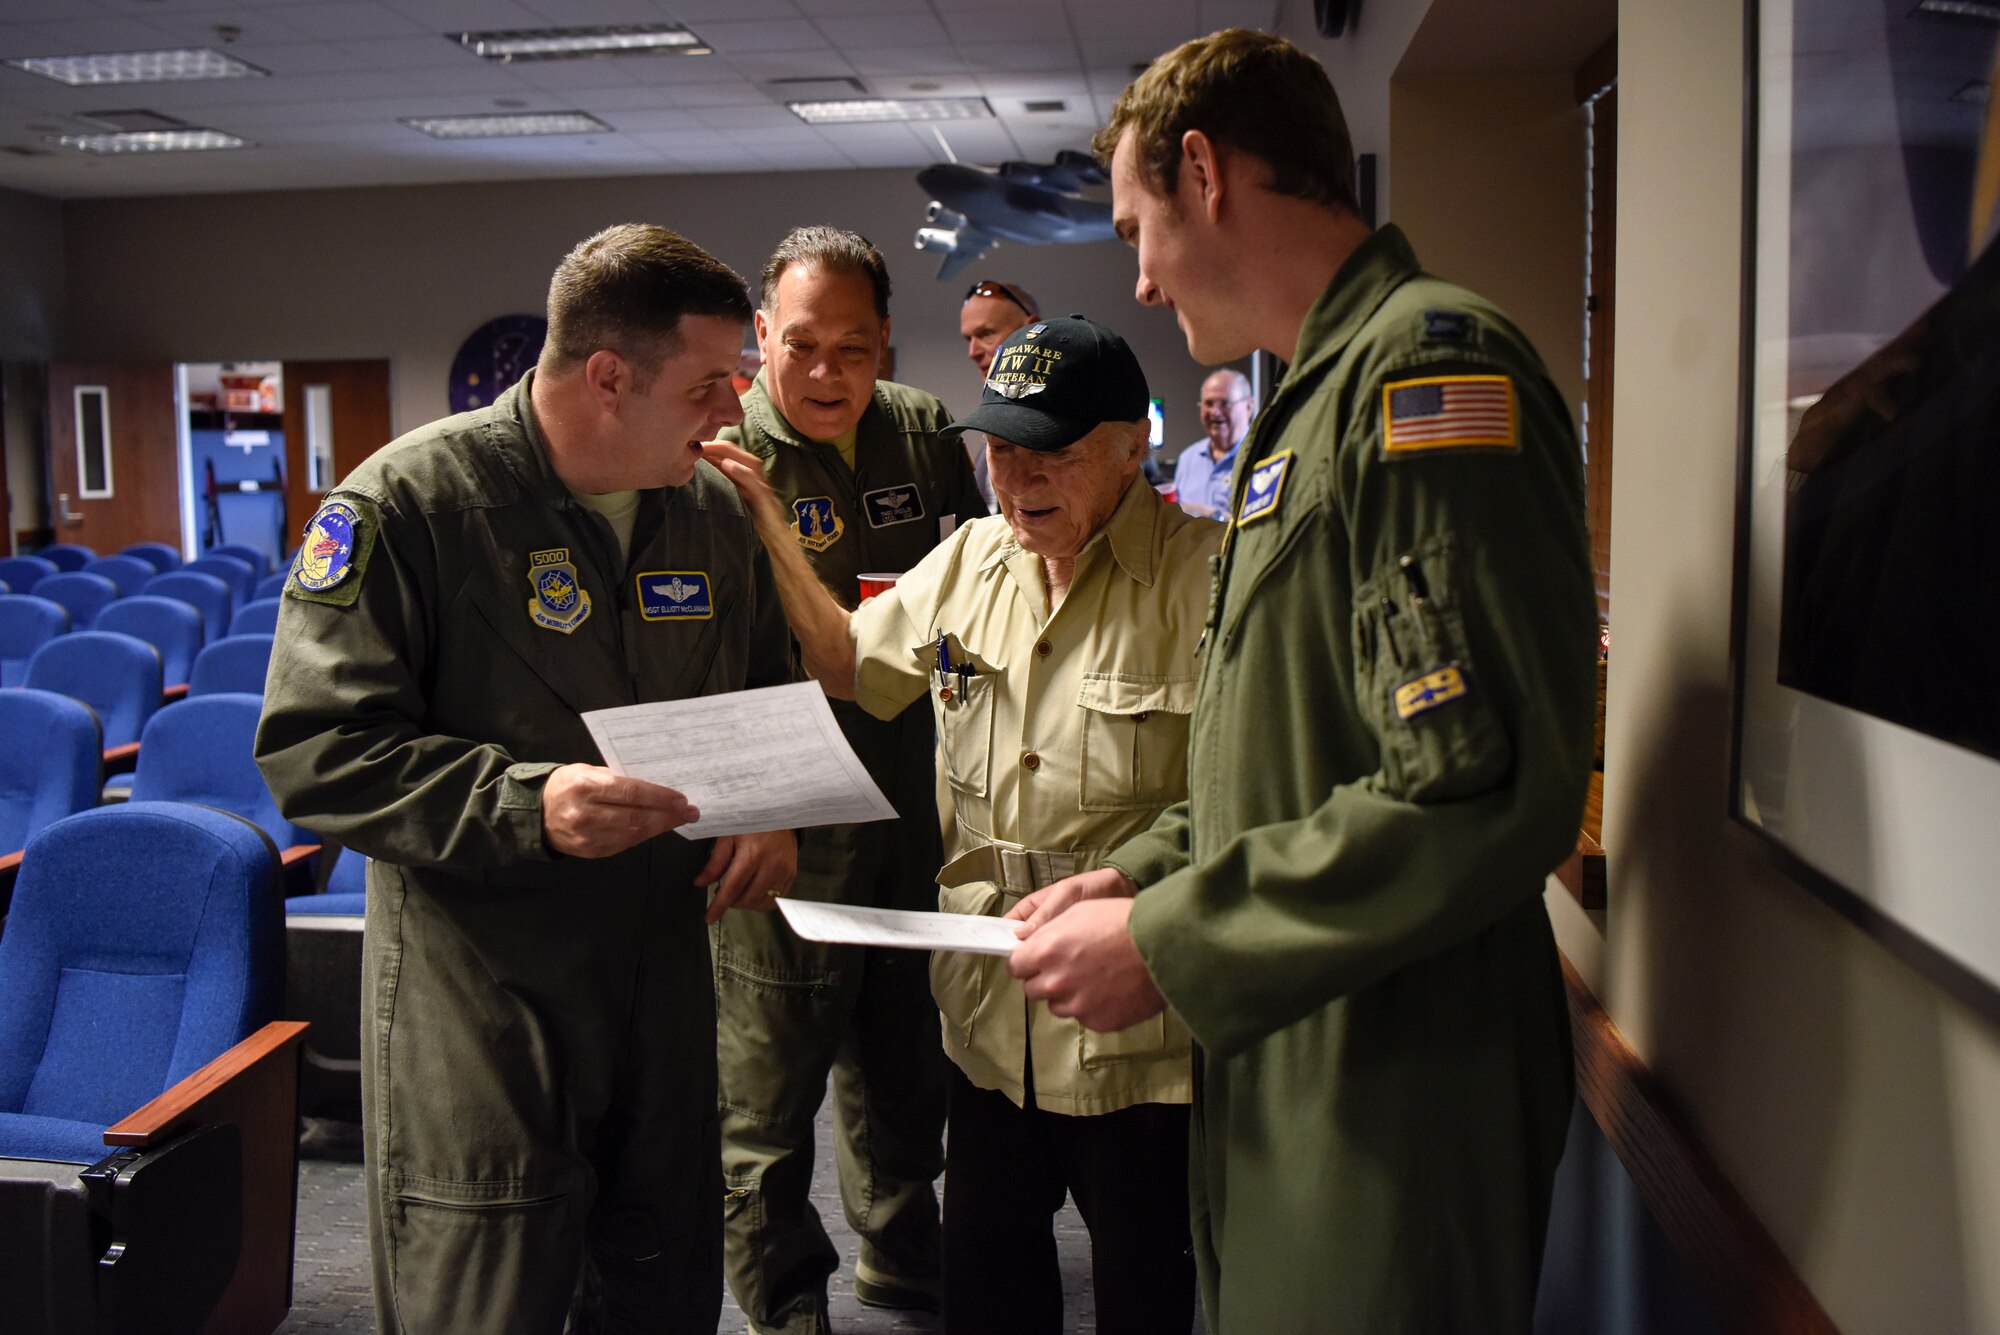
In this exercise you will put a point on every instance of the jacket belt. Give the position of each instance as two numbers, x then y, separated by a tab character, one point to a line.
1017	871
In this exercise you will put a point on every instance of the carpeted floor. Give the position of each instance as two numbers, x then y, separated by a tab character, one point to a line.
330	1286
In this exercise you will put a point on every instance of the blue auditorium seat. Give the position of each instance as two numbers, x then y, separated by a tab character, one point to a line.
129	573
22	573
67	555
259	616
141	966
82	595
26	624
161	556
168	624
116	675
258	560
239	663
50	758
204	593
271	586
239	575
201	751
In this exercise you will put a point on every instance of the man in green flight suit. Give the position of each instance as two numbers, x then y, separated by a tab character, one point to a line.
870	487
1391	739
538	1070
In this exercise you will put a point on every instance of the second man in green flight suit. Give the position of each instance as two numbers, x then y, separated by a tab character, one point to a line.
870	487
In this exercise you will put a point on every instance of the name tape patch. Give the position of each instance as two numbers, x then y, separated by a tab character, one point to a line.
675	595
1440	686
1449	412
899	504
1266	485
816	523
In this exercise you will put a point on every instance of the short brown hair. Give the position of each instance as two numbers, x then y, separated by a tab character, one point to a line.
626	290
831	248
1250	91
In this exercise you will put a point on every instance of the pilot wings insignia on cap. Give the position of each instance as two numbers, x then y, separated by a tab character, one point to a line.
1019	389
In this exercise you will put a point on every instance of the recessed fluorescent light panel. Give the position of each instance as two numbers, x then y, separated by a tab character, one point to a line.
1979	11
632	39
861	110
508	125
139	67
190	140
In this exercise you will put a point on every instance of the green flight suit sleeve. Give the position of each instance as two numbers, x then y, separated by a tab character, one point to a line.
342	742
1476	687
1159	851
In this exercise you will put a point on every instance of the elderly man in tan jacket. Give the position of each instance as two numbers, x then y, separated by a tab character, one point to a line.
1056	643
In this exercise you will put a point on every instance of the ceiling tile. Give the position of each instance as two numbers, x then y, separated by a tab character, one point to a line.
821	64
693	12
912	61
348	19
473	15
197	27
1020	57
765	117
1215	15
77	37
842	8
734	39
734	93
423	51
1007	23
892	30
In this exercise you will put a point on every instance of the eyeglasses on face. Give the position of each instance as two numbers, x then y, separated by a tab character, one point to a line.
987	288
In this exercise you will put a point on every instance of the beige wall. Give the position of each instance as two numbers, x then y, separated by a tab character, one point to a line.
1490	189
31	318
1851	1102
407	272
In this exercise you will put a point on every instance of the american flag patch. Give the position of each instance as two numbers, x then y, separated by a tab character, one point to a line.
1448	412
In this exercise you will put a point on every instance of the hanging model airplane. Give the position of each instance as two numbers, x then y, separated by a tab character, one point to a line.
973	209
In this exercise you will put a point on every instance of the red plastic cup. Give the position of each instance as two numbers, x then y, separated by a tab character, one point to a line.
877	582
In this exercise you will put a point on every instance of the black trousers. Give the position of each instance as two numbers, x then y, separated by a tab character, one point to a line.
1006	1172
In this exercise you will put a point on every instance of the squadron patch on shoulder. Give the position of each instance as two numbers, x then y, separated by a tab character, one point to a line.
1439	686
333	555
327	554
675	595
1447	327
560	603
1266	485
893	505
818	526
1449	412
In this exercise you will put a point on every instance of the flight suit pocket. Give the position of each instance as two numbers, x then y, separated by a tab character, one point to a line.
961	981
965	730
1134	740
1418	685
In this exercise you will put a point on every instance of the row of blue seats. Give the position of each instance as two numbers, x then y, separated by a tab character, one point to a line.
172	619
160	555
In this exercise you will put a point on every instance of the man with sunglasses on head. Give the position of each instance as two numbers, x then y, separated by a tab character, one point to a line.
991	312
867	484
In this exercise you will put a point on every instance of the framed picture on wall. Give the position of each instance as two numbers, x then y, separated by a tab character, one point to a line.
1867	639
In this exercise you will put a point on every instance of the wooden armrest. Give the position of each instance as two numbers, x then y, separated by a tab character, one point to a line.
173	693
217	1088
121	759
296	854
1582	872
10	867
255	1087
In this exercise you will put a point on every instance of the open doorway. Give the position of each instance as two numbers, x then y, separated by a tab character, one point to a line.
233	456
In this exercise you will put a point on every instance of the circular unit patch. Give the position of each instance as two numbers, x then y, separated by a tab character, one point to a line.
327	554
494	357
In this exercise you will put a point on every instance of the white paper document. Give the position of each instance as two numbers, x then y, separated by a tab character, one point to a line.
844	923
768	759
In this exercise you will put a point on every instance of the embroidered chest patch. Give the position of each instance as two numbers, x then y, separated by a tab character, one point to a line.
893	505
675	595
560	603
1440	686
816	523
1449	412
327	554
1265	487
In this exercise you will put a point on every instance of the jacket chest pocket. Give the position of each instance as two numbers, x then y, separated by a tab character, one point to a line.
1135	739
965	729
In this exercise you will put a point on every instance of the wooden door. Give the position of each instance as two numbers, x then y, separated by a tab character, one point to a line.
131	492
357	418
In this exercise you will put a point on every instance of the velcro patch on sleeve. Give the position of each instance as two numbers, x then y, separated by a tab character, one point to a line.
1449	412
1438	687
339	539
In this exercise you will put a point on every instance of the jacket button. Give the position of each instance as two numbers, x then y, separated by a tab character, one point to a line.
1142	716
1045	649
1031	761
944	694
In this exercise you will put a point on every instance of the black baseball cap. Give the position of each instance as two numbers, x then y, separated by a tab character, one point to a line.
1054	381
